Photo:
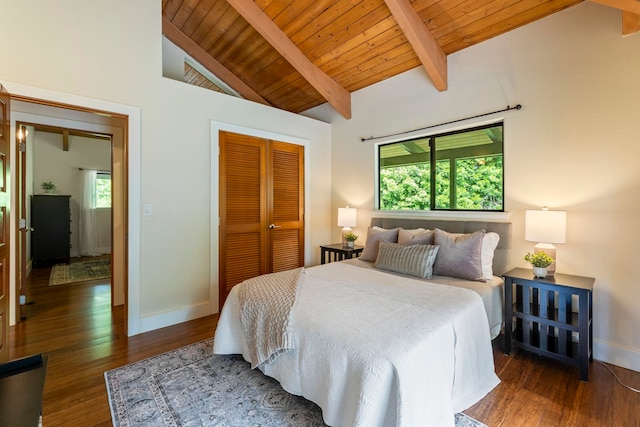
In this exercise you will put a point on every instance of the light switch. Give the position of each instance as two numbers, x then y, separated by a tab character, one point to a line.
148	209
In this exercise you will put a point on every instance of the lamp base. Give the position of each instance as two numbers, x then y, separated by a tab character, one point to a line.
550	250
345	231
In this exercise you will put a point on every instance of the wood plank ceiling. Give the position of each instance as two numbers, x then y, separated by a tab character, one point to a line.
297	54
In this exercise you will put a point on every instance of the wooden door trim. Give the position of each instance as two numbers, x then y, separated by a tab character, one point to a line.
123	123
21	240
5	245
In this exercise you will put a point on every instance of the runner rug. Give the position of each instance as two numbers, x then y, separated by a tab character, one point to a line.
192	387
80	271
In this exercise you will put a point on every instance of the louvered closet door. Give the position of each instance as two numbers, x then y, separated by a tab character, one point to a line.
261	208
286	206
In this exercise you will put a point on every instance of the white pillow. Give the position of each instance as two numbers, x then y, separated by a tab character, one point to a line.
489	244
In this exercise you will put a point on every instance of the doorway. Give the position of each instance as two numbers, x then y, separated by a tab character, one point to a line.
38	113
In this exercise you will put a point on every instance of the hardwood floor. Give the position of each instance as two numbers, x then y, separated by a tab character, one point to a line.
540	392
82	334
83	337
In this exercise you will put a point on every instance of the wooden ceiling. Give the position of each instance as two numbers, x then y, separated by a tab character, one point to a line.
297	54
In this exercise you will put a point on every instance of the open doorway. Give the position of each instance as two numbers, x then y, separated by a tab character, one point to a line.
65	142
66	191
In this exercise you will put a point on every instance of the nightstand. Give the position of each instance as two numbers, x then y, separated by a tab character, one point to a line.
338	252
553	316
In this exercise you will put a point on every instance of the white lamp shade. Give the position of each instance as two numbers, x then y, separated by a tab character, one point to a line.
545	226
347	217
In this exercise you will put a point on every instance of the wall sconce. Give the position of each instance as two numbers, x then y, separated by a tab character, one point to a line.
346	219
546	227
22	133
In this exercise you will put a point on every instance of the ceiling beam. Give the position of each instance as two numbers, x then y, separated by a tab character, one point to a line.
424	44
70	132
412	147
632	6
630	23
65	140
181	40
630	13
330	90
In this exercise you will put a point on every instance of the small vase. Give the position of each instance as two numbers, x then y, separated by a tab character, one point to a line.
540	272
350	244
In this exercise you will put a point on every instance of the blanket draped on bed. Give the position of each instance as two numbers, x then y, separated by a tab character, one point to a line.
266	305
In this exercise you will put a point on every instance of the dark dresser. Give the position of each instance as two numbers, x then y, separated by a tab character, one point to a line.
51	229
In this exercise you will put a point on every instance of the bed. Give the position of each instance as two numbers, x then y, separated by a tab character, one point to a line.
373	347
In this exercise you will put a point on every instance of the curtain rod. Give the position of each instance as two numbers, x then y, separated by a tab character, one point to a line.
516	107
99	171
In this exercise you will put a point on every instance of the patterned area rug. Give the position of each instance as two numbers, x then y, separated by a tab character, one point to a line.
191	387
80	271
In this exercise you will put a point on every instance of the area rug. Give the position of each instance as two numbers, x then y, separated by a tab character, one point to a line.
80	271
192	387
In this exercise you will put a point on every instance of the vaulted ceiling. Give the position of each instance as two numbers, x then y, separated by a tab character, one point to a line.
297	54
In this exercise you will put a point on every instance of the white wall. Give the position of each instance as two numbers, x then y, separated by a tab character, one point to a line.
112	51
573	146
52	163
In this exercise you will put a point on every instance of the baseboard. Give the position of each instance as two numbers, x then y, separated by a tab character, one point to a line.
162	320
624	357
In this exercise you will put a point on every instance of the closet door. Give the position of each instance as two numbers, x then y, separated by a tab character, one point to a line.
286	206
261	208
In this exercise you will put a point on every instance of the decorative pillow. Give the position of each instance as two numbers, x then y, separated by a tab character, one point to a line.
489	244
419	236
374	236
413	230
459	256
414	260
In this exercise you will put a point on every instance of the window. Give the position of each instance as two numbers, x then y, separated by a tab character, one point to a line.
460	170
103	190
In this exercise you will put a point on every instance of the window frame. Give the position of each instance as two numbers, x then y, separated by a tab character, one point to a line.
433	159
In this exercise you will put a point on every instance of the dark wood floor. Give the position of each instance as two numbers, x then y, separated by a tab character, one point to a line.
82	334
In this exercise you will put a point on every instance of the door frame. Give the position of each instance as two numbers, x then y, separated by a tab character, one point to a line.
132	185
5	211
55	117
216	127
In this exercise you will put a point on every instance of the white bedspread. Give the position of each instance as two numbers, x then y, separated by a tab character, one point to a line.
490	291
374	349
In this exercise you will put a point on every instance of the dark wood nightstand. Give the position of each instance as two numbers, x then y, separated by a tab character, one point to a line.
547	321
338	252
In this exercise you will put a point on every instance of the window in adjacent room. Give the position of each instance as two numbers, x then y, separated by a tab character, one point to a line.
103	190
461	170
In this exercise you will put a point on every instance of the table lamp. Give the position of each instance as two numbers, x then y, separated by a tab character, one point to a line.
346	220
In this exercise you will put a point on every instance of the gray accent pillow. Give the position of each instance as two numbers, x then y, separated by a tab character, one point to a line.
460	255
374	236
414	260
419	236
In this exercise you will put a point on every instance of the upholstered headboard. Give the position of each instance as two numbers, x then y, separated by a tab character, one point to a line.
501	258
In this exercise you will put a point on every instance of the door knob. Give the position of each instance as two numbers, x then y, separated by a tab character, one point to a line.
272	226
